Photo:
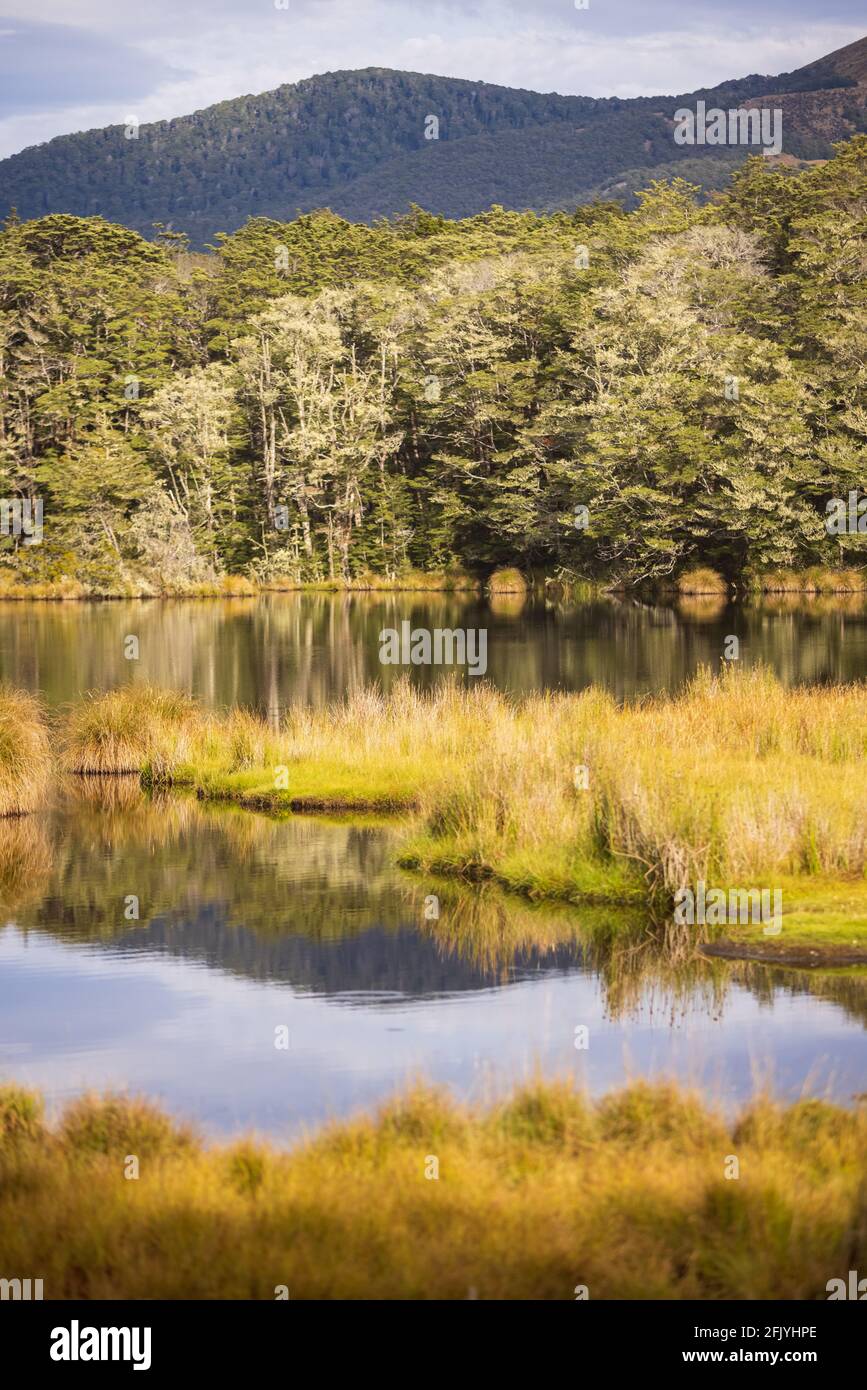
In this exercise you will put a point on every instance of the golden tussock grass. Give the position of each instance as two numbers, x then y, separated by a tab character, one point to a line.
126	729
736	779
506	581
25	754
11	587
702	580
422	581
539	1193
819	579
224	586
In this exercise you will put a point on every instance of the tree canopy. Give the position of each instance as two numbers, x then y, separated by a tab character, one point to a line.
614	395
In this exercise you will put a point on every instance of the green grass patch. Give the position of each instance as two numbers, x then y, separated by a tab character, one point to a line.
325	784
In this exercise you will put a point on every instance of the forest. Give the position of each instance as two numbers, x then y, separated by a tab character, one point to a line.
362	144
600	395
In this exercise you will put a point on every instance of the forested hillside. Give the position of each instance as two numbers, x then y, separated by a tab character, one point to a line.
359	143
323	398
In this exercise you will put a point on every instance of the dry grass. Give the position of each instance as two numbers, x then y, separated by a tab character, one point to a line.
736	780
12	587
126	730
541	1193
507	581
25	754
702	580
224	586
422	581
817	580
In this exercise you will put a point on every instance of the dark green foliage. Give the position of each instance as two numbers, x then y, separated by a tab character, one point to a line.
320	398
359	143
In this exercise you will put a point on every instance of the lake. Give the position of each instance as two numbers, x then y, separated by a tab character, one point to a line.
266	652
160	944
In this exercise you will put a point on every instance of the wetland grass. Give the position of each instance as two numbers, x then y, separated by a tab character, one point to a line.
25	753
127	729
538	1193
734	781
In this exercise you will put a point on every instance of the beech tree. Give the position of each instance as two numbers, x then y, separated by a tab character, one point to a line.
614	396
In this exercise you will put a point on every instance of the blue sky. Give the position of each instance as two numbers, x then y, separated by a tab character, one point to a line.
70	65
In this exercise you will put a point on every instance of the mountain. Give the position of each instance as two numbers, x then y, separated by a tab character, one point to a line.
358	142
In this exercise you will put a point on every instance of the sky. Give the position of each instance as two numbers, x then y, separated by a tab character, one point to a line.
68	65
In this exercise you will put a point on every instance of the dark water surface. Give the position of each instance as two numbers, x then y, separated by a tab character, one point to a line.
270	651
247	925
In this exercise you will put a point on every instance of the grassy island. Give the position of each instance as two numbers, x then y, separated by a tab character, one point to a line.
736	782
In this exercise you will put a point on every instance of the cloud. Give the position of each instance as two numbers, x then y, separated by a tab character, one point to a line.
56	66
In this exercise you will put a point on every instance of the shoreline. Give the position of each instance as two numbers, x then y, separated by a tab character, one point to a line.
800	952
705	586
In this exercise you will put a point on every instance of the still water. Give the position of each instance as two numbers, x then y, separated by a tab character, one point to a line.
268	652
248	924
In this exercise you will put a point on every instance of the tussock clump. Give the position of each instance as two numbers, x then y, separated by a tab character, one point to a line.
117	1125
702	580
819	579
547	1113
646	1113
20	1115
25	753
244	739
507	581
127	730
815	1129
422	1115
222	586
245	1166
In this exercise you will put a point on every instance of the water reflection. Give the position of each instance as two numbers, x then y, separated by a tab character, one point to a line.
271	651
247	923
